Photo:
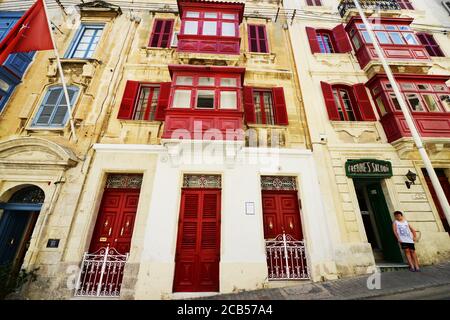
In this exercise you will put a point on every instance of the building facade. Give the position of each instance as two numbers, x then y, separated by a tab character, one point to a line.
220	146
360	140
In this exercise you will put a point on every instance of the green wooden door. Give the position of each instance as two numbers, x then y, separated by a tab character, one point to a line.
391	249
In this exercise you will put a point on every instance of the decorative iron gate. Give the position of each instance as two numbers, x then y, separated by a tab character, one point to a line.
286	258
101	273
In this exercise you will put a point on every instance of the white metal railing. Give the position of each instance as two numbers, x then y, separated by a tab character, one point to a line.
101	273
286	258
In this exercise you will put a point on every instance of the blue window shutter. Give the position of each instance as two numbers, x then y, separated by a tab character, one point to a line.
6	24
18	63
53	109
8	84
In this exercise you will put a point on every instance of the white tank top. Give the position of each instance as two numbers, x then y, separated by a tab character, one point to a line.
403	231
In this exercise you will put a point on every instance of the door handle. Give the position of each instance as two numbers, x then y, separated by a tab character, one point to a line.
121	231
11	242
109	232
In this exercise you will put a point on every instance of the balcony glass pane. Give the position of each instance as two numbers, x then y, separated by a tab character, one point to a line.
209	28
228	100
396	37
414	102
410	38
228	29
431	102
191	27
182	80
182	99
205	99
383	37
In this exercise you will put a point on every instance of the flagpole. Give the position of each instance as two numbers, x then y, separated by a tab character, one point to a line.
61	74
406	113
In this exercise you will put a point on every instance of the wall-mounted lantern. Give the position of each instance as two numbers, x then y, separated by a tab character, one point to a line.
411	176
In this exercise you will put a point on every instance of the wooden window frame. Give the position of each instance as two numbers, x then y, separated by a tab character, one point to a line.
359	29
258	39
352	100
150	111
44	103
320	33
202	19
217	88
76	40
431	45
387	95
262	107
160	34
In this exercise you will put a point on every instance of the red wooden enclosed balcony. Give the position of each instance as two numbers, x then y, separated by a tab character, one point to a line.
210	26
398	42
205	103
428	98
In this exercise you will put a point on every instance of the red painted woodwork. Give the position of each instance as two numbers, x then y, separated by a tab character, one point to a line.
327	91
279	103
446	186
115	220
249	108
128	100
161	34
257	38
131	94
281	212
363	102
312	38
208	124
163	101
218	43
393	52
429	124
198	243
341	40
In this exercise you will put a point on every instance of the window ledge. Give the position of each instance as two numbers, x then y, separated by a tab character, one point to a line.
259	57
149	123
266	126
74	69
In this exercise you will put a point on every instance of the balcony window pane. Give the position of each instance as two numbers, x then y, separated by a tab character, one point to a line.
228	29
438	87
378	27
396	38
404	28
356	42
395	102
381	106
407	86
211	15
228	82
206	81
445	100
192	14
383	37
361	26
186	81
410	38
191	27
182	99
228	100
414	102
366	37
205	99
390	28
431	102
228	16
209	28
424	87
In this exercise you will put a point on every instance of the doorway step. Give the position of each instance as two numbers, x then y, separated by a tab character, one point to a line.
389	267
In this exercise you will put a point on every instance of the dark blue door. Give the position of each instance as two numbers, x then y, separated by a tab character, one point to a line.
13	228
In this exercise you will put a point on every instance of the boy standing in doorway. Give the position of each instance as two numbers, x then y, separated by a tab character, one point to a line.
406	236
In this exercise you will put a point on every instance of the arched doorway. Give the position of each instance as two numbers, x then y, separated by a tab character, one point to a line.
17	223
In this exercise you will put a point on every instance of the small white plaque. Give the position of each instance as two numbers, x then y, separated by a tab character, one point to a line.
250	208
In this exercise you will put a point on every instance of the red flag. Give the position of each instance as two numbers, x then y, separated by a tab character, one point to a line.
30	33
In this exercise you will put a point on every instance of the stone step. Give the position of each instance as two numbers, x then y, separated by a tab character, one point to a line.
389	267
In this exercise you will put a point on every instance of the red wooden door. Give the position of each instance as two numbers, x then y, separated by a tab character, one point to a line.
198	244
446	186
115	220
281	212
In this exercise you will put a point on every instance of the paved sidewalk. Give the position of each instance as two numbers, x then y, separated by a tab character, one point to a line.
352	288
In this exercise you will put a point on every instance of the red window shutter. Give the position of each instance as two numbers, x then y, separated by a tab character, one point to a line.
163	101
312	37
281	117
327	90
341	39
249	108
363	101
262	37
128	99
166	34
